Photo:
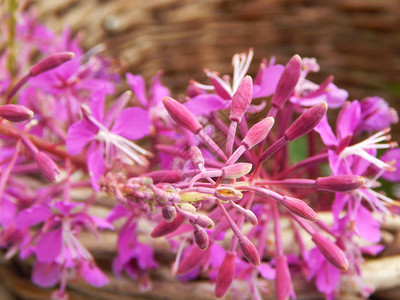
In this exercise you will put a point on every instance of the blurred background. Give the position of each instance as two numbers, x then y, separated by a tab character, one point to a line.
358	41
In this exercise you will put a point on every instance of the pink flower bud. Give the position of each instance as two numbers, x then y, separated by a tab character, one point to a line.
226	273
182	115
250	217
204	221
306	121
201	237
299	207
258	132
50	62
192	259
287	82
15	112
241	99
249	251
196	156
228	193
331	251
169	213
236	170
283	281
47	166
164	227
340	183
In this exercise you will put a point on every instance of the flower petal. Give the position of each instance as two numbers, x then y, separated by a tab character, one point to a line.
132	123
49	246
92	274
268	82
46	275
33	215
138	86
95	163
205	104
79	135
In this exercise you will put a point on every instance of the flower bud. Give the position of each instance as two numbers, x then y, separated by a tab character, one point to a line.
247	213
169	213
15	112
299	207
47	166
182	115
283	282
228	194
306	121
258	132
226	273
340	183
200	237
196	156
236	170
249	251
287	82
241	99
331	251
204	221
192	259
163	228
188	208
50	62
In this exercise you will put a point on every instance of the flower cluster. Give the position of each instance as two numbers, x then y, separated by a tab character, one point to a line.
214	173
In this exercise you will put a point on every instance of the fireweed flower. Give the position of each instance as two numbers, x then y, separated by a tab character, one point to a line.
109	135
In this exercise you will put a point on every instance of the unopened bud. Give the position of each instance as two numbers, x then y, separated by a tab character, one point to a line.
51	62
182	115
283	281
164	227
258	132
192	259
169	213
228	194
204	221
196	156
247	213
331	251
241	99
249	251
226	273
201	237
15	112
188	208
236	170
306	121
47	166
299	207
340	183
287	82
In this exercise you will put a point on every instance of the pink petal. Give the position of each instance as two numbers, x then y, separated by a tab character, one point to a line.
132	123
137	84
390	156
92	274
326	133
348	119
95	163
46	275
269	81
115	109
328	278
157	90
79	135
49	246
205	104
367	226
33	215
101	224
266	271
